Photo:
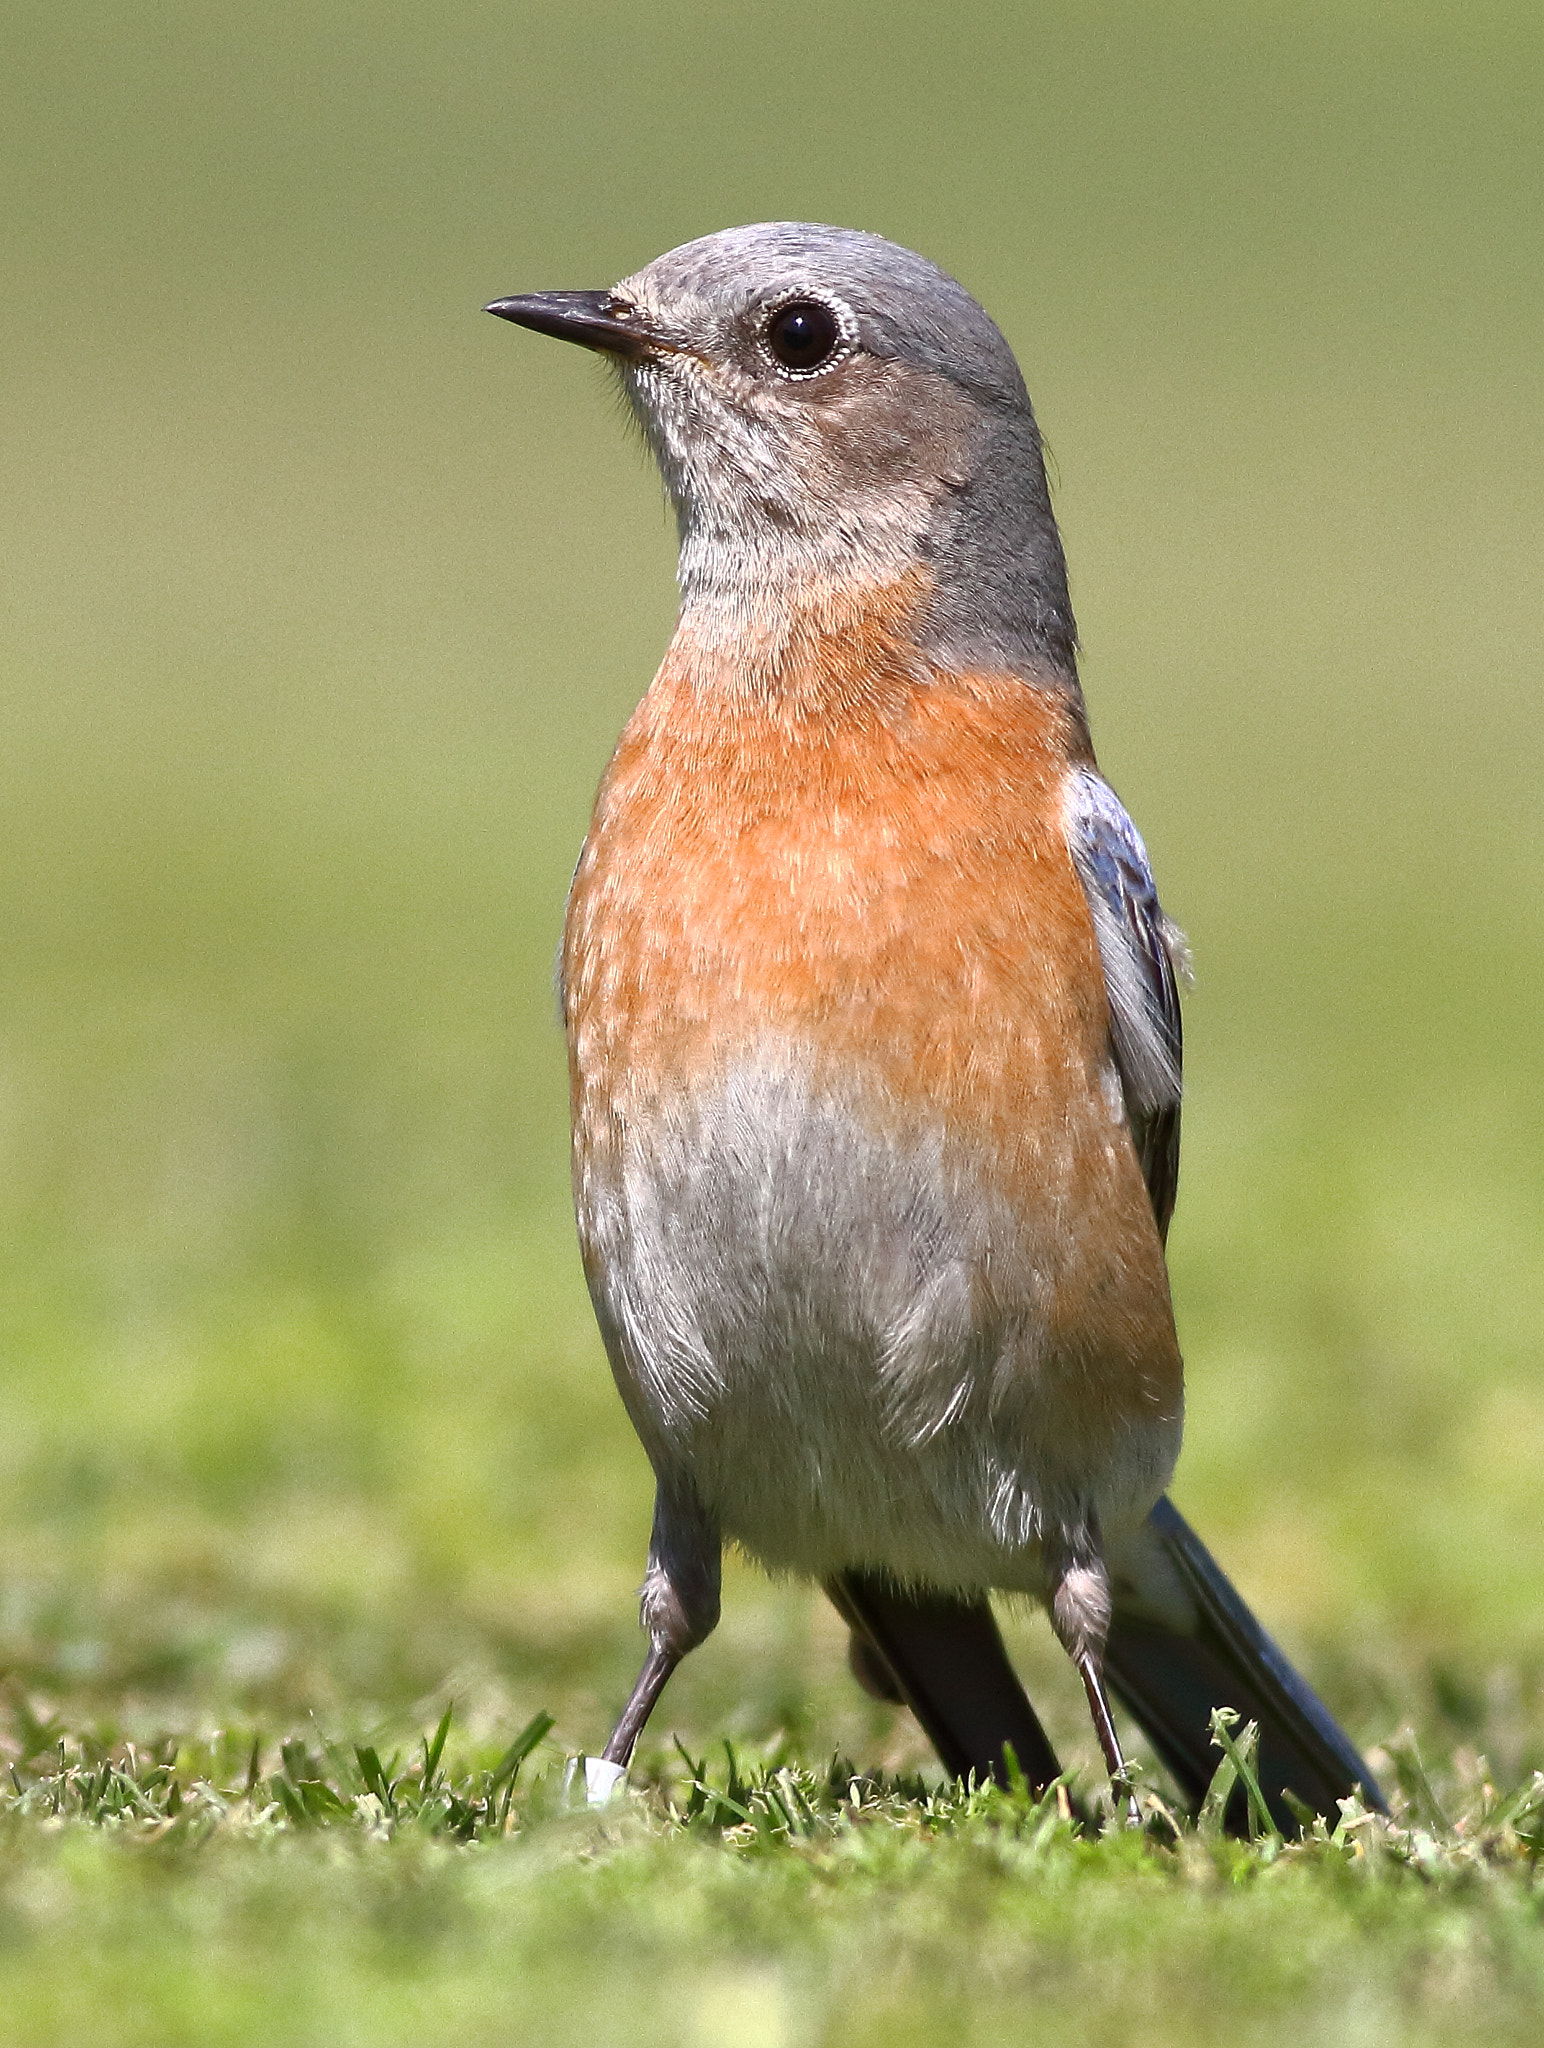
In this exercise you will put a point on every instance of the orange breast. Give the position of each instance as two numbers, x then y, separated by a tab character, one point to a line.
866	858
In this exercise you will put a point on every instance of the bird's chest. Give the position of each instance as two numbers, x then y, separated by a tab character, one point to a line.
845	1127
882	886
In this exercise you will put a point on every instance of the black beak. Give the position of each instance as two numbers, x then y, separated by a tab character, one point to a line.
593	319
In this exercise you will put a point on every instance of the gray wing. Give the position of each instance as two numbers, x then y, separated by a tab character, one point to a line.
1181	1640
1141	953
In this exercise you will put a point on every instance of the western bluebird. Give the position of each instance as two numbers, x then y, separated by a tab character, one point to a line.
875	1040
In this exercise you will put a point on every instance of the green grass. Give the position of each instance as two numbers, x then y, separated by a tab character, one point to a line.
324	599
214	1892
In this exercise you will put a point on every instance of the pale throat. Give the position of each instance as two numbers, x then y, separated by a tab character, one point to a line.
775	531
752	593
771	626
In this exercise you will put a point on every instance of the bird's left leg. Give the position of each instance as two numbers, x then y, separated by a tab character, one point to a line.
678	1605
1078	1596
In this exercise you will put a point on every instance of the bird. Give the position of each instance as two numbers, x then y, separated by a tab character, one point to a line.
874	1040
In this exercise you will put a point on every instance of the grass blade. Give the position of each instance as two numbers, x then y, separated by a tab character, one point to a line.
1241	1751
434	1750
509	1763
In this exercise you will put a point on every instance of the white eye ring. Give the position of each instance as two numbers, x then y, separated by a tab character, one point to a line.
806	324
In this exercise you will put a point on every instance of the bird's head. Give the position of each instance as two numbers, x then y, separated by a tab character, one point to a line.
830	410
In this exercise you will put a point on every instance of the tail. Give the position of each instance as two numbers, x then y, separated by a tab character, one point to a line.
944	1658
1182	1643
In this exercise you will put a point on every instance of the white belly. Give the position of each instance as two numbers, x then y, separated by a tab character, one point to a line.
842	1335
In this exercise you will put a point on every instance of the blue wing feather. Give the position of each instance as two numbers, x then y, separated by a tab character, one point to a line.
1139	950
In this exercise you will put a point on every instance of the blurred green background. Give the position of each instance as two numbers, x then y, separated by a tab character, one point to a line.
324	599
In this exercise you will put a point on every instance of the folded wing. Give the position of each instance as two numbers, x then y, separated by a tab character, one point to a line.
1182	1642
1142	954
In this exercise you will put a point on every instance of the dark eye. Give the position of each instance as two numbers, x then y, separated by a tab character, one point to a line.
803	335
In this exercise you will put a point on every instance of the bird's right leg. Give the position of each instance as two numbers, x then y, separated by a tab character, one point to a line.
678	1605
1079	1602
